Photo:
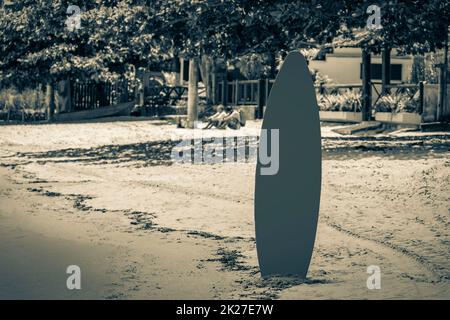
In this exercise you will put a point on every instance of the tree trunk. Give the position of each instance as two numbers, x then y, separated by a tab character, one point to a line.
192	93
206	67
50	102
63	97
386	69
366	85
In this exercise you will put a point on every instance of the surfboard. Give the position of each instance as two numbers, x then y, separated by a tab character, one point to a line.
287	202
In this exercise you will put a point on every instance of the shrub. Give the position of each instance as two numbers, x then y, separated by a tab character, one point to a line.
386	103
7	98
351	101
397	102
28	105
29	100
345	101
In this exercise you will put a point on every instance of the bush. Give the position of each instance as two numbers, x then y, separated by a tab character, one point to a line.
346	101
27	100
26	105
8	99
320	78
397	102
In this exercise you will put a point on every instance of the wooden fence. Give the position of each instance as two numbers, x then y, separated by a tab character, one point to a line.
92	95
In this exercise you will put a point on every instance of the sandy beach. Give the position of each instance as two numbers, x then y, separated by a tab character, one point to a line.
105	196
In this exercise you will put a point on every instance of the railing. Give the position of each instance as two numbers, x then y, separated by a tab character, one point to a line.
401	88
256	92
163	96
244	92
337	88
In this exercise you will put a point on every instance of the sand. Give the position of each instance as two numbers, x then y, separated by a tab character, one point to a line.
105	196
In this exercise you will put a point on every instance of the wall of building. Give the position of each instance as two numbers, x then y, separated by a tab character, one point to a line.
431	102
343	66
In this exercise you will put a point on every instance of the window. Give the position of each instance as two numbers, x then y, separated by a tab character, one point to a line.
375	70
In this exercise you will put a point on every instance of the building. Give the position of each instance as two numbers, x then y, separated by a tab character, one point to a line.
343	66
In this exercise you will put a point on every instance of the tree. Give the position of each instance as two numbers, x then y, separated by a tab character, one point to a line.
31	42
119	34
200	31
115	38
229	29
410	26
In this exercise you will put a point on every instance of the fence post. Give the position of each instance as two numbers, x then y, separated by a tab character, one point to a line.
50	101
442	102
321	88
386	69
367	87
127	93
421	93
214	83
261	102
225	91
236	92
192	104
219	94
219	87
85	95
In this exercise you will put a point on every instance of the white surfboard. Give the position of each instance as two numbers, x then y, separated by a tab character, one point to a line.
287	203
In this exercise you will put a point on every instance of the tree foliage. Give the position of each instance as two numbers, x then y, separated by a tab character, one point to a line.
412	26
36	44
117	36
